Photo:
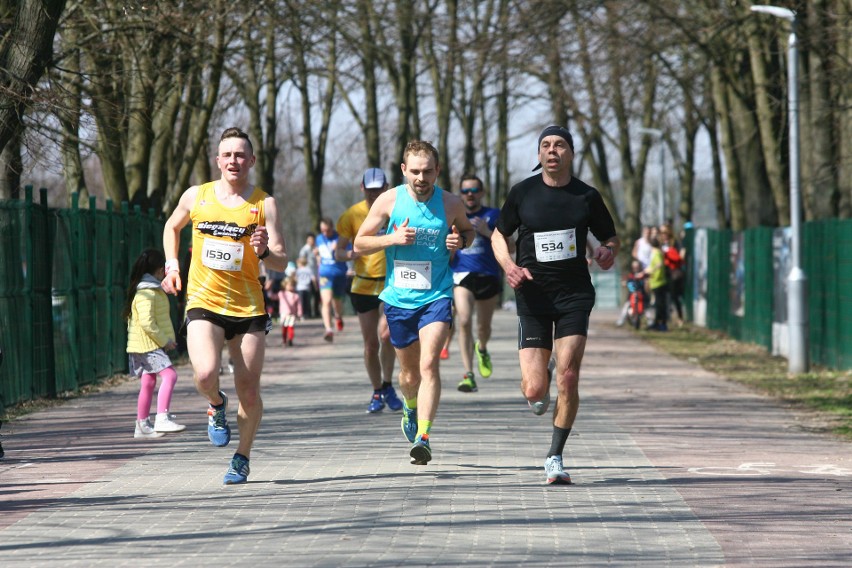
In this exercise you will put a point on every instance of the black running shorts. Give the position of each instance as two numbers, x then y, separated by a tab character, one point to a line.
483	286
363	303
540	330
233	326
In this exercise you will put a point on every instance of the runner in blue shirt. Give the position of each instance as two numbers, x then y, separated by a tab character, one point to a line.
478	283
332	278
425	224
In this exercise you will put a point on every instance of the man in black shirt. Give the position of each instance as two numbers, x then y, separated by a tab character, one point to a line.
552	213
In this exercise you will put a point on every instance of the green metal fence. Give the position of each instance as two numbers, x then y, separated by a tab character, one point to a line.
63	275
827	262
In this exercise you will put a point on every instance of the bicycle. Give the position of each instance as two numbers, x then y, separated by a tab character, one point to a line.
636	298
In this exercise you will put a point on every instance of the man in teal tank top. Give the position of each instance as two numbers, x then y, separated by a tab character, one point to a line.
425	226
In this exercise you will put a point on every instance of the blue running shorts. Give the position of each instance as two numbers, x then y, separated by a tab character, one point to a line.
405	324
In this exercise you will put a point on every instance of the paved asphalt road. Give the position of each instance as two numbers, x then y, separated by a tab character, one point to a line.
673	466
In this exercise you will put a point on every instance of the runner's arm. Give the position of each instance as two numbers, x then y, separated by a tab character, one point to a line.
277	258
366	241
465	231
502	251
171	240
515	275
343	253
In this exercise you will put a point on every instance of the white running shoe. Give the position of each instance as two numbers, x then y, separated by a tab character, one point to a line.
556	474
165	423
144	429
540	407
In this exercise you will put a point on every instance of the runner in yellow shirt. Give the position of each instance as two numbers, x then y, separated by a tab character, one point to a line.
234	226
368	283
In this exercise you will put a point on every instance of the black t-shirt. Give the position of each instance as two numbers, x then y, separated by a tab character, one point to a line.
552	225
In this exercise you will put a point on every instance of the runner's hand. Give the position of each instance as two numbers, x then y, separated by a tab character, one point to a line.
171	284
517	275
454	240
259	239
605	257
403	234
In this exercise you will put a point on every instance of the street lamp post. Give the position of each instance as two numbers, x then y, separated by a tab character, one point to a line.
797	281
657	133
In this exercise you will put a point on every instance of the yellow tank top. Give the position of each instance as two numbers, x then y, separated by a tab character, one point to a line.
369	269
223	273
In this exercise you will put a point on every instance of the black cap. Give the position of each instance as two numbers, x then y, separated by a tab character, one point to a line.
555	130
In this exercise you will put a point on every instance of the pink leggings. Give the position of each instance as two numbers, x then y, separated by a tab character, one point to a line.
146	392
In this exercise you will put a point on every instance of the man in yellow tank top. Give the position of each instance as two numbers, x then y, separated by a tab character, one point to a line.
234	226
368	283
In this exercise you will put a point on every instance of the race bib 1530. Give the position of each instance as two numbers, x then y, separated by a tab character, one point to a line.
222	255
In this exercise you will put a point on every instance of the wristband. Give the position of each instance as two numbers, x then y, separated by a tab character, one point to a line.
264	255
464	241
172	265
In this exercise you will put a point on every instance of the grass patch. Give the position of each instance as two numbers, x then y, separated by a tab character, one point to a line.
826	394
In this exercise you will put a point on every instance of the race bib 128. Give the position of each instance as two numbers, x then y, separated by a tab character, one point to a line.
412	274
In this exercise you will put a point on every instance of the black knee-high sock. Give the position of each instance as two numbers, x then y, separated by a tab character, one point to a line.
557	442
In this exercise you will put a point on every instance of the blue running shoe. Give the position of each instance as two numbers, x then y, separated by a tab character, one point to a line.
238	472
421	453
390	398
217	423
409	423
376	404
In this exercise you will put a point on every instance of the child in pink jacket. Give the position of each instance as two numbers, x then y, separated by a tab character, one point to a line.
289	308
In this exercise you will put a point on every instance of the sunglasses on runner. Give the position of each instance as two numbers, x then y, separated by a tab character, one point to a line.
466	190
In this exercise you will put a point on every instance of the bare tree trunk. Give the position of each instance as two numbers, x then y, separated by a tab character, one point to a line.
162	149
404	72
139	130
686	164
68	116
759	203
844	121
712	125
475	65
24	54
500	188
201	170
372	140
556	87
258	84
197	122
107	112
270	116
314	158
769	122
821	190
617	60
728	139
11	166
362	41
443	81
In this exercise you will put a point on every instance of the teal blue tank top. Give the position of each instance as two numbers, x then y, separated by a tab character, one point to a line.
418	274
